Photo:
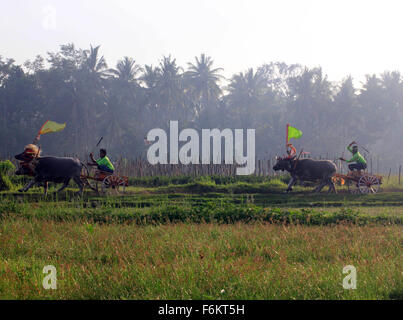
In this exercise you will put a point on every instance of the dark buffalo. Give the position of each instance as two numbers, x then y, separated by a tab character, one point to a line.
50	169
308	170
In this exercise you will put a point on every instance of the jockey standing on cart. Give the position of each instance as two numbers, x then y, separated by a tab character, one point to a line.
103	163
359	161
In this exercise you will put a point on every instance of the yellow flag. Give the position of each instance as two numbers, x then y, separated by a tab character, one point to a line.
51	126
293	133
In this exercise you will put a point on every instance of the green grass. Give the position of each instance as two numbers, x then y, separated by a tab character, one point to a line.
217	184
189	210
198	261
201	238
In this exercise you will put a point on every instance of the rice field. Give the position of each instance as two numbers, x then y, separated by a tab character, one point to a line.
201	239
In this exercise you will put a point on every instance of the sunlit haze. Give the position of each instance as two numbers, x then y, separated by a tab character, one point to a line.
343	37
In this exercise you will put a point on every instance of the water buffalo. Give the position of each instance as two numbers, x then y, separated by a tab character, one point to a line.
308	170
50	169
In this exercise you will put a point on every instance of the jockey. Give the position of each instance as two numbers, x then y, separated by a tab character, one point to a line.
31	151
359	161
103	163
292	152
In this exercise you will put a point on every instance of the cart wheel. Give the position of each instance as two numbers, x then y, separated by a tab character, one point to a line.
368	184
112	184
88	182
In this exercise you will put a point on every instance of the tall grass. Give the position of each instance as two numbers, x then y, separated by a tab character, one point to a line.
205	261
220	210
201	238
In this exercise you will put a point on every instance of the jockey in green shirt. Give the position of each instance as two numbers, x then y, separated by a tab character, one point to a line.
359	161
103	163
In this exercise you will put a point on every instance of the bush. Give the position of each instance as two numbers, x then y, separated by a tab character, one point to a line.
277	183
6	167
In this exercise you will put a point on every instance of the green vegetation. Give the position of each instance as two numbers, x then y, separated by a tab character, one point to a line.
198	261
150	210
225	184
201	238
5	168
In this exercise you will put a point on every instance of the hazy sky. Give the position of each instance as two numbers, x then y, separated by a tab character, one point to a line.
344	37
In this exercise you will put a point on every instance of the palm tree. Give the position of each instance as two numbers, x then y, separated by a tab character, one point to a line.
125	86
170	89
122	115
150	81
90	95
93	63
204	81
126	70
246	91
246	88
150	76
170	80
310	105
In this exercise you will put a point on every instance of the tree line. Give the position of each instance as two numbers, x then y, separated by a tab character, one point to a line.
123	102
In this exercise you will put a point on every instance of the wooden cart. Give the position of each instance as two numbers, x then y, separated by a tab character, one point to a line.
364	182
110	183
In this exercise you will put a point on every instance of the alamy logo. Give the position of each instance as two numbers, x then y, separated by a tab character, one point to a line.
350	281
49	19
50	280
190	150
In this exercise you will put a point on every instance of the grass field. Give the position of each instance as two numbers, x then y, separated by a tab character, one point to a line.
207	238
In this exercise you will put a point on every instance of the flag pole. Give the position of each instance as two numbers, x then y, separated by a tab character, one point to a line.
36	139
286	135
38	136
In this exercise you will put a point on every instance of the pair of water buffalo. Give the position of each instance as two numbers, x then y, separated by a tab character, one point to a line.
49	169
308	170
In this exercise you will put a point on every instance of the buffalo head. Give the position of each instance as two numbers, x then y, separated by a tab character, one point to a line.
283	164
23	171
22	157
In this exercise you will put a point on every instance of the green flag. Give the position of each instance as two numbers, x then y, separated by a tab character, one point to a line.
51	126
293	133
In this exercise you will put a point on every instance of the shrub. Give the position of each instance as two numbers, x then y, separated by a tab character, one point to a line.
277	183
6	167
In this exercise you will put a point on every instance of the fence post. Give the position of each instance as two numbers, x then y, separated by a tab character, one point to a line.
268	167
371	164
